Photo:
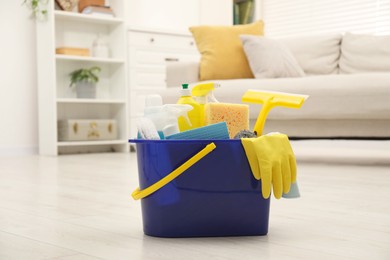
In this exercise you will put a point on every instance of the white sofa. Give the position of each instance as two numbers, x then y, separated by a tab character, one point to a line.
347	79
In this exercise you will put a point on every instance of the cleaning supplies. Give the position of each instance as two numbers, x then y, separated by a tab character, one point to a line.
270	100
293	193
253	147
165	117
272	160
211	132
245	134
194	115
146	129
203	93
235	115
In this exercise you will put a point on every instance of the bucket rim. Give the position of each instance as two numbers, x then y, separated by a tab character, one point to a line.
185	141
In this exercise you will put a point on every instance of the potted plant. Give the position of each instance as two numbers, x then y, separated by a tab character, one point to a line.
85	81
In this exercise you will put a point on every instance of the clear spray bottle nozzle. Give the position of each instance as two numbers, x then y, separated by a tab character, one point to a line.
203	92
179	110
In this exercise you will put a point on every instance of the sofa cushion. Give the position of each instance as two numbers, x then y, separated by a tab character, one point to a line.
346	96
269	58
316	54
365	53
222	55
180	72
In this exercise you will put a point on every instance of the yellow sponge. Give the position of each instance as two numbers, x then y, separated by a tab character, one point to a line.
236	116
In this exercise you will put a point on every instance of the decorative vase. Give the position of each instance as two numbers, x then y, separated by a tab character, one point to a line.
100	48
86	89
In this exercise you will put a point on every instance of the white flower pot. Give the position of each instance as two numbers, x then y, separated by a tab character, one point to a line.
86	90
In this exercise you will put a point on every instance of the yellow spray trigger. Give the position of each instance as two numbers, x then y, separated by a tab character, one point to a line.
203	89
270	100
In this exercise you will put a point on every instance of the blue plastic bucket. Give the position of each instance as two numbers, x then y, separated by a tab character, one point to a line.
217	196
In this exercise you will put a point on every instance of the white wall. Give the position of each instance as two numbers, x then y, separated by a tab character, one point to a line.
216	12
18	96
178	15
174	15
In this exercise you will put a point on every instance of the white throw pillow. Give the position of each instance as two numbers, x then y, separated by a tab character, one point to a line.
316	54
365	53
270	59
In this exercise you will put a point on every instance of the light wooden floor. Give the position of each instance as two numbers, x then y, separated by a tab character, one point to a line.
79	207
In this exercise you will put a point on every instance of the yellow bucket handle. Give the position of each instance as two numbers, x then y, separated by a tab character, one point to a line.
140	194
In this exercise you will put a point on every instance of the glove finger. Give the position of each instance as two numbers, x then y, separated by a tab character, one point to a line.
266	179
277	180
293	167
250	151
286	173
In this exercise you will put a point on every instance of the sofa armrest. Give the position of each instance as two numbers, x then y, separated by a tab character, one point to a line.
181	72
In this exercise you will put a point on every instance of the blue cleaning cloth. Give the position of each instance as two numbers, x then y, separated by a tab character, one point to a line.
217	131
293	193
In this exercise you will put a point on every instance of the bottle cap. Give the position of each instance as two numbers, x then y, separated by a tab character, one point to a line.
185	91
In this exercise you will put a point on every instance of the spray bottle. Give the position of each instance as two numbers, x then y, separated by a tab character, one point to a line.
165	117
194	115
174	112
203	93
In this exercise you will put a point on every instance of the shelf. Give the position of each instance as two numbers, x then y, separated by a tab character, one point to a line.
88	59
77	17
89	101
83	143
58	102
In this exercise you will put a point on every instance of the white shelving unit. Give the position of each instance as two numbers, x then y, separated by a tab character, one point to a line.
57	101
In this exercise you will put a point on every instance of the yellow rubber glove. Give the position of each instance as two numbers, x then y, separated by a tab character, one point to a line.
272	160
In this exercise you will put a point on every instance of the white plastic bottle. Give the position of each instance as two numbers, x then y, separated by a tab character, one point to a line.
164	117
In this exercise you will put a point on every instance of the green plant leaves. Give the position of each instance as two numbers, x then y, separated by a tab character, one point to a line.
38	7
87	75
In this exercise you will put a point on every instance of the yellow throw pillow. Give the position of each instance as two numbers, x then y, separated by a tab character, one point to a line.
222	53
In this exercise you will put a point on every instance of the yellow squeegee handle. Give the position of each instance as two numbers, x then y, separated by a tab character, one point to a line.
140	194
259	126
269	104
